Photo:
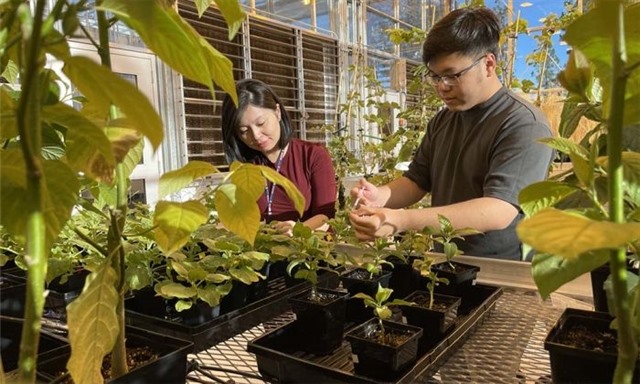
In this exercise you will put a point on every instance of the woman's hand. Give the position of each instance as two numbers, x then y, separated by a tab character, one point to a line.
285	227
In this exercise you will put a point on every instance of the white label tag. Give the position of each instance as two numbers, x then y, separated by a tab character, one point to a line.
294	316
404	320
354	357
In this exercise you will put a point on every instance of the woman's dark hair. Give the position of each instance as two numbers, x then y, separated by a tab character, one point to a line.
256	93
468	31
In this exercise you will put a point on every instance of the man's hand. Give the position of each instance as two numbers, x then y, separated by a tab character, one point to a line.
364	194
370	223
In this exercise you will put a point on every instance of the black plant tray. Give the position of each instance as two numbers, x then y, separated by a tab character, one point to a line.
280	361
230	324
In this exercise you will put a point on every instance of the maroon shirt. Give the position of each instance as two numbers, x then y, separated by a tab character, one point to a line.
308	165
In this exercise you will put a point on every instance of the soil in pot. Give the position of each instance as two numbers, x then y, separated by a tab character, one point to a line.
583	348
320	319
434	321
151	357
383	356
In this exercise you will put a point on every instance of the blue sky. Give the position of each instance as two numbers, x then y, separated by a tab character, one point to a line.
526	44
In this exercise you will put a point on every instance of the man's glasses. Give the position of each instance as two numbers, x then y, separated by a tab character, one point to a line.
453	79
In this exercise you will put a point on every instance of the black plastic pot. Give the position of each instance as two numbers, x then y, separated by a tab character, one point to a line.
12	295
319	325
460	277
356	310
62	294
380	361
10	335
434	322
145	301
404	278
169	367
573	364
598	277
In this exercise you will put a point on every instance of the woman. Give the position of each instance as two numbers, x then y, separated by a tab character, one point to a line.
259	131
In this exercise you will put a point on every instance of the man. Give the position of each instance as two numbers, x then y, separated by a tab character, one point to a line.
478	152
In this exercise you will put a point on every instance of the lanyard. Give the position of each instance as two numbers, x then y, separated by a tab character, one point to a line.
270	189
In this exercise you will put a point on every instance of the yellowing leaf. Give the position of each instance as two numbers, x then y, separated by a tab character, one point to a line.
88	149
176	221
177	290
59	192
114	90
250	179
238	211
292	191
569	235
232	14
175	42
174	181
93	325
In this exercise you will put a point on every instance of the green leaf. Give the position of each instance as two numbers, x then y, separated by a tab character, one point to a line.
383	313
238	211
88	148
210	295
544	194
577	77
569	234
11	72
572	114
114	90
383	294
232	14
176	221
183	305
8	128
93	325
550	272
578	154
177	290
363	296
631	171
292	191
176	42
202	5
174	181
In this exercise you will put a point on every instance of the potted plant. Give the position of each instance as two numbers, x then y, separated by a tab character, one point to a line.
434	313
318	309
382	349
575	224
459	275
369	273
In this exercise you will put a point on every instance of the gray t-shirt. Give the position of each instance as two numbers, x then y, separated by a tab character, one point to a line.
490	150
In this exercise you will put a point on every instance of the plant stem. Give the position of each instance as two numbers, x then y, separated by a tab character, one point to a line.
627	344
29	129
114	247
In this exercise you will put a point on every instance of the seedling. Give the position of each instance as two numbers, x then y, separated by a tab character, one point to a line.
424	266
380	306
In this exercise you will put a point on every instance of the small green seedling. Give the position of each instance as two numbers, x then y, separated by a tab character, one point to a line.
380	306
